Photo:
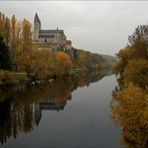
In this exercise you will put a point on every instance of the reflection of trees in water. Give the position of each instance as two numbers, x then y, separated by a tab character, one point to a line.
21	107
130	110
14	118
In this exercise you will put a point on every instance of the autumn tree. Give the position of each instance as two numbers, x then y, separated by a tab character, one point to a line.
2	22
129	110
7	33
38	66
13	45
5	28
18	37
138	43
129	103
26	36
137	51
23	44
136	72
63	63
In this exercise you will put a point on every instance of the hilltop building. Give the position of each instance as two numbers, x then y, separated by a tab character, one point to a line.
52	39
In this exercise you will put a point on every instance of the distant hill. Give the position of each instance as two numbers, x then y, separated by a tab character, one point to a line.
108	57
88	61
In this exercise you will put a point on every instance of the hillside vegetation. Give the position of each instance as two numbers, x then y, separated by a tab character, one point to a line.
22	62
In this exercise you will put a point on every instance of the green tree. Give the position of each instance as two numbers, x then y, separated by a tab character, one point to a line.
4	55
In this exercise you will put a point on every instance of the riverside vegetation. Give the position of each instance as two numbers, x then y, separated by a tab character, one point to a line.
129	103
20	62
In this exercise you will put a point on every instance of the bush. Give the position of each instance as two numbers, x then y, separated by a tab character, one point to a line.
74	71
19	77
8	78
5	76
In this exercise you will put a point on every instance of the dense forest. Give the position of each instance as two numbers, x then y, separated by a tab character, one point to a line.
21	62
130	101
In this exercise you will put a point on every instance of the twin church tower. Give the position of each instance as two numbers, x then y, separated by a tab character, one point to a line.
55	38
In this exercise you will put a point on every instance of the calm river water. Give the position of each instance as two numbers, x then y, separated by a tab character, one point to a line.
65	113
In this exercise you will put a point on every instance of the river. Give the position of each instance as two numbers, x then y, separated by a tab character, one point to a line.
61	113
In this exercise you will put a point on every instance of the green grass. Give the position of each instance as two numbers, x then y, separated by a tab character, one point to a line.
75	71
19	77
11	78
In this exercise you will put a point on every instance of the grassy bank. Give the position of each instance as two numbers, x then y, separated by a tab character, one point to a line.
12	78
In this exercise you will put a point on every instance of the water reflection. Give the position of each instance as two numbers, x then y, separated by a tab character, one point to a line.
21	107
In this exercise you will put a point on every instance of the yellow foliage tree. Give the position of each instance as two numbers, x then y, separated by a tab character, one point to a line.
63	63
130	110
130	105
135	55
37	67
136	72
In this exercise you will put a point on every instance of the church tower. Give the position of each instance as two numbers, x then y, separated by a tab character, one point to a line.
37	27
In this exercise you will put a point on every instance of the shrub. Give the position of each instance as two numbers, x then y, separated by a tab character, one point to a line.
5	76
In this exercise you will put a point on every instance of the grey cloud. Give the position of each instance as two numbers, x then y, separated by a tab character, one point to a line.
97	26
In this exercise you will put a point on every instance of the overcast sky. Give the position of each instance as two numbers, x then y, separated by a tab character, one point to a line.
97	26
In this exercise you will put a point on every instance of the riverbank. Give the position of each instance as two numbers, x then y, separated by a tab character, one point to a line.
12	78
8	78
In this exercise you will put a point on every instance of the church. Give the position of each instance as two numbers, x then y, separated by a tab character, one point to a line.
54	39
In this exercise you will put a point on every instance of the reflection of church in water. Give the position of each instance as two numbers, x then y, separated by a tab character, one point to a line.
51	104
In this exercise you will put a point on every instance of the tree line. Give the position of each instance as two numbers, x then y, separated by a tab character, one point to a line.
16	38
130	102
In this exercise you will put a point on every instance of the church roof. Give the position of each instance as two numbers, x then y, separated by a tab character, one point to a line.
46	36
51	31
36	18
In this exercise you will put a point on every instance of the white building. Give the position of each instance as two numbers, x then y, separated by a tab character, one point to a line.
56	38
